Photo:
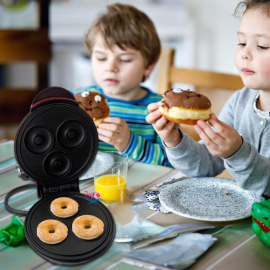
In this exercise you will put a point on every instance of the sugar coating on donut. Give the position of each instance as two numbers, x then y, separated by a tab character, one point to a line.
87	227
64	207
185	106
95	105
52	231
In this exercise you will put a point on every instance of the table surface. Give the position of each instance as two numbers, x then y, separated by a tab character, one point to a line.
237	246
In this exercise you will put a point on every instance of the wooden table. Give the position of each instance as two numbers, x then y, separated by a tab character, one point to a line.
237	246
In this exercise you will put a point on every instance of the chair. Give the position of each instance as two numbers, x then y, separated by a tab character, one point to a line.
217	87
20	45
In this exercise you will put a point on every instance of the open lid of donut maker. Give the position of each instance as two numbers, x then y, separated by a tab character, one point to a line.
56	143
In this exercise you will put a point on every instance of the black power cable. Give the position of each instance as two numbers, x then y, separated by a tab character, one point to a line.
11	193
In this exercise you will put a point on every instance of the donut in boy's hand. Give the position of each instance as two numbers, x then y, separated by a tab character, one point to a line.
95	104
185	106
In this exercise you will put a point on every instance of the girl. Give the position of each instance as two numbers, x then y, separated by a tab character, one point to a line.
247	112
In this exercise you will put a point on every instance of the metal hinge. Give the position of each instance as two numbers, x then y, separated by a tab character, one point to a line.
50	190
23	175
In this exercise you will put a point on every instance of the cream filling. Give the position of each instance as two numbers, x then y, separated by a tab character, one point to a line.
97	122
178	113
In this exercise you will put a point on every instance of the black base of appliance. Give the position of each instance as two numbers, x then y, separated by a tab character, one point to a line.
55	143
72	250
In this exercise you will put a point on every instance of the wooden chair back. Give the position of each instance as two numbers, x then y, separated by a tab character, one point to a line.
24	45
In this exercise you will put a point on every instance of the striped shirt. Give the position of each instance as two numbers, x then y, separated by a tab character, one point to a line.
144	144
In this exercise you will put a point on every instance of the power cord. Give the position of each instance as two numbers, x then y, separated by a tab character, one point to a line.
11	193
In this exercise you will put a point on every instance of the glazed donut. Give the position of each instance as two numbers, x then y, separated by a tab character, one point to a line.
52	231
95	104
87	227
64	207
185	106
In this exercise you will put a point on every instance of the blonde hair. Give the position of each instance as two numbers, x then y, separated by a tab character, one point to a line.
126	26
244	6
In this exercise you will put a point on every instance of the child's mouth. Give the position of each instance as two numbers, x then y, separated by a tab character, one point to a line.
112	81
247	71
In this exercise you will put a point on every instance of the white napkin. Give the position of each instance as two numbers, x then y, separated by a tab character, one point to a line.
178	253
139	230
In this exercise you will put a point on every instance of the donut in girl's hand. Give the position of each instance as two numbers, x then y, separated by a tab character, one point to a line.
185	106
95	104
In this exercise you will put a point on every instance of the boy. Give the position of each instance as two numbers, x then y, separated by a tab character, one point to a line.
247	112
124	48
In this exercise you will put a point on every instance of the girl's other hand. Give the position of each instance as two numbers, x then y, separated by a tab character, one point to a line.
225	142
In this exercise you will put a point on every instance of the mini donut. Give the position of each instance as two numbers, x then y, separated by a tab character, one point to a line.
87	227
64	207
52	231
185	106
95	104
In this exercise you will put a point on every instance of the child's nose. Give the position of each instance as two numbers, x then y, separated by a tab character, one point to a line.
246	54
112	66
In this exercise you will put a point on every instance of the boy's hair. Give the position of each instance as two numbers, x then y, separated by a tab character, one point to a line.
126	26
246	5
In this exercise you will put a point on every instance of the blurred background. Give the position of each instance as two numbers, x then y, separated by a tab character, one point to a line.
41	44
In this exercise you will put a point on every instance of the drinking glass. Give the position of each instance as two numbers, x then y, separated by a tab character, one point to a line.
110	177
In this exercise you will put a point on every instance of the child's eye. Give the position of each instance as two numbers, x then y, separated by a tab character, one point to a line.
101	59
262	47
242	44
125	60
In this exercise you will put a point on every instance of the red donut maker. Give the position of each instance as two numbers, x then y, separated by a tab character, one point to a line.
56	143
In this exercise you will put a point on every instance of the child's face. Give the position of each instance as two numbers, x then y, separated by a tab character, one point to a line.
253	52
117	71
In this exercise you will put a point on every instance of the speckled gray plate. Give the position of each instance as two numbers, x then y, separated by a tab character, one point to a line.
208	198
105	157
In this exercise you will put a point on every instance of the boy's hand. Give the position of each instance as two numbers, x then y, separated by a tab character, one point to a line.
115	131
224	143
167	130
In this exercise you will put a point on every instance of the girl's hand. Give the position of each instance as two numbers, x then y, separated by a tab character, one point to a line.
224	143
167	130
114	131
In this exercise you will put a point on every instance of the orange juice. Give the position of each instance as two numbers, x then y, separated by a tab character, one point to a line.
111	188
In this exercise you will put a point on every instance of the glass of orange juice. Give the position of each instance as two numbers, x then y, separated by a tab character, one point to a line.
110	176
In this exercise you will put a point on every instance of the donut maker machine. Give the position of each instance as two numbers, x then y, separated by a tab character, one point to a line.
56	143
